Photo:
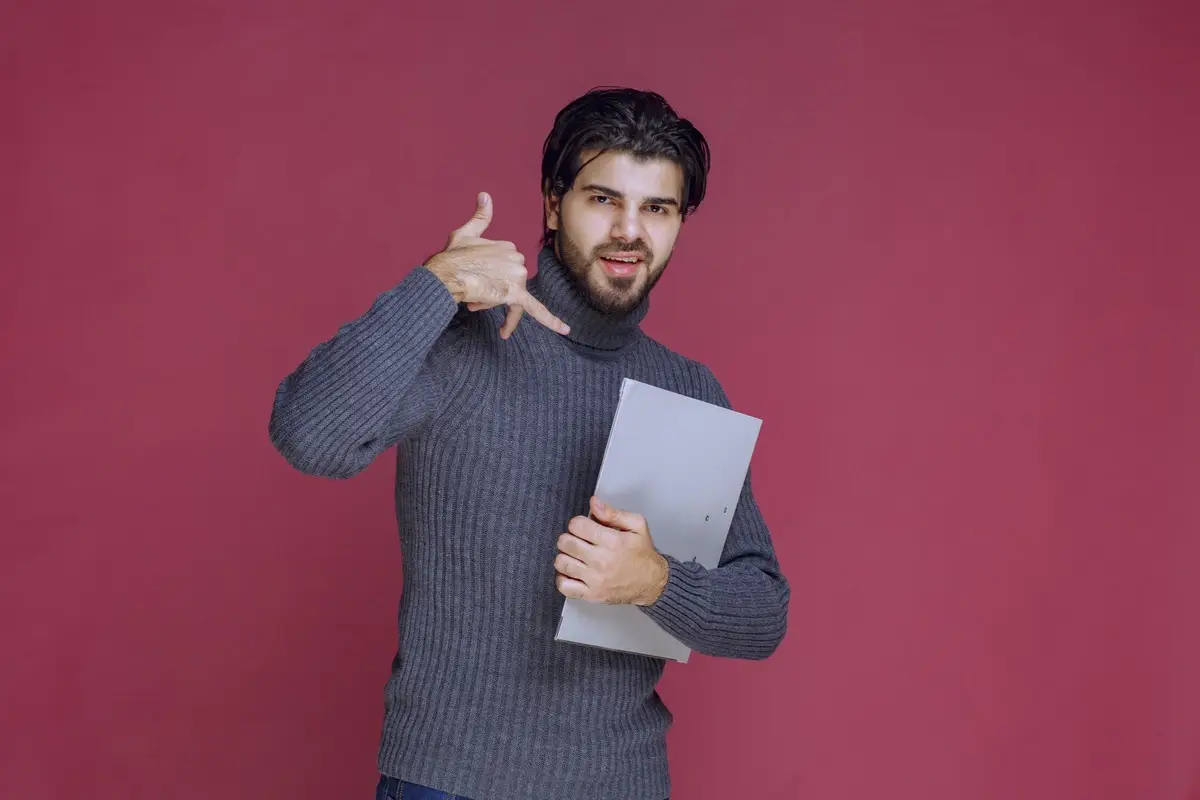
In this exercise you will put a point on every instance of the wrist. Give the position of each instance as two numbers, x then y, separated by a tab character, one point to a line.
449	279
660	574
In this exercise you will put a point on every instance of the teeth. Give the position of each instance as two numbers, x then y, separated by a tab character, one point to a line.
626	260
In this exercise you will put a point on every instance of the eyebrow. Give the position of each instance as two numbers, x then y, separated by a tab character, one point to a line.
657	201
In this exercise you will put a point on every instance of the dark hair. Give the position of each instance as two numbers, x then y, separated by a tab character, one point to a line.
630	121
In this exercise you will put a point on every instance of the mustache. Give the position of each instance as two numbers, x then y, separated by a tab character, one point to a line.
634	247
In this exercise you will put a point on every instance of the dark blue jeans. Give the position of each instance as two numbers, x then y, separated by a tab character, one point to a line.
396	789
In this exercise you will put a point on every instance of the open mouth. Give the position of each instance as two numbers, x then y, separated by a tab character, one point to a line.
621	266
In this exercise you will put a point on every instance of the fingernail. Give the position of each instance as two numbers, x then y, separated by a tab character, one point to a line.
600	506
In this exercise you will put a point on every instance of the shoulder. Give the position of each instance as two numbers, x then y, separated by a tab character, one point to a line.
689	376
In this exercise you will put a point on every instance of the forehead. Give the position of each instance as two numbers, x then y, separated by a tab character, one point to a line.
631	176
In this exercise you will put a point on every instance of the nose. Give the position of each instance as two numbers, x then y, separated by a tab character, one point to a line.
626	225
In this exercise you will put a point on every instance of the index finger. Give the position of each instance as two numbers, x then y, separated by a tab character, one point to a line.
588	530
617	517
535	309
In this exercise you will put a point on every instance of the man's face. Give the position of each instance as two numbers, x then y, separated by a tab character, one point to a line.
616	226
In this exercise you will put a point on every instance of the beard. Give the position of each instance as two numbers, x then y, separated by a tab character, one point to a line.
607	294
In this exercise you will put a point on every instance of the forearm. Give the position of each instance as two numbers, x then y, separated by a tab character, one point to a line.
368	386
738	610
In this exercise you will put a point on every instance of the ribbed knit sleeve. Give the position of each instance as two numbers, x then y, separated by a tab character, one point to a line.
738	609
374	383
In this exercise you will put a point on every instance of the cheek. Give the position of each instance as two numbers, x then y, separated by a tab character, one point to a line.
662	238
588	227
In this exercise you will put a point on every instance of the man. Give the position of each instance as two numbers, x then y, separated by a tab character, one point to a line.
500	427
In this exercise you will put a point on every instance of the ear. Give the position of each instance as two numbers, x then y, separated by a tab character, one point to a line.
553	209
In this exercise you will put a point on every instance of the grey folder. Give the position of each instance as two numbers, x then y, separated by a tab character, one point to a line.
681	463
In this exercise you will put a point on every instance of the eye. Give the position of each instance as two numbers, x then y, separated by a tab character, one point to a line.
601	198
657	209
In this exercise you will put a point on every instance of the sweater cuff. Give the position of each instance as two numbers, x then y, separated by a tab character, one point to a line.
423	300
683	602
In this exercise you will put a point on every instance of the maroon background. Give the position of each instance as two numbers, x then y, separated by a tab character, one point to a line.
949	255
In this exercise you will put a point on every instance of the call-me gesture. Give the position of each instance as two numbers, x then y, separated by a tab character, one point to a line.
484	274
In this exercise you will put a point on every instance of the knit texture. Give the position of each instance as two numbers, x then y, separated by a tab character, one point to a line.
499	443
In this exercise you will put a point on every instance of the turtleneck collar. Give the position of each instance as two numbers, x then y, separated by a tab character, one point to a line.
558	291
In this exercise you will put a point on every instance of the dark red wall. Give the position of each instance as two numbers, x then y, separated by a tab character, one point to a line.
950	255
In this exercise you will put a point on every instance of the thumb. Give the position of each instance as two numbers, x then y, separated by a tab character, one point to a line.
617	518
478	223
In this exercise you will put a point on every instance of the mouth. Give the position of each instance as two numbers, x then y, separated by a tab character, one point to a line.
621	265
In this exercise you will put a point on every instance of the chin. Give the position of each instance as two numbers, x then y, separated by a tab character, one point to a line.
614	302
615	295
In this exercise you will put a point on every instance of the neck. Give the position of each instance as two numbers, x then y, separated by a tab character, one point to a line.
561	293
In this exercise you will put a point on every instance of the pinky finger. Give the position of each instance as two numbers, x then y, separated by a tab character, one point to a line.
569	587
542	314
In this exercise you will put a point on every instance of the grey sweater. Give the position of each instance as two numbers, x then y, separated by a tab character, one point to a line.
498	445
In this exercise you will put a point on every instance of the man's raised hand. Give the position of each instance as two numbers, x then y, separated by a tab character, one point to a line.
483	273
